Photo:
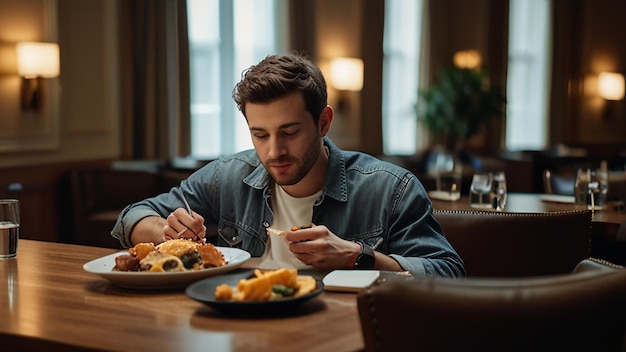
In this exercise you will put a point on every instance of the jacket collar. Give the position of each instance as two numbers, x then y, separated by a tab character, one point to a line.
336	185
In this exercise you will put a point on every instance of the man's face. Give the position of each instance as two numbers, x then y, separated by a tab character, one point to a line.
285	138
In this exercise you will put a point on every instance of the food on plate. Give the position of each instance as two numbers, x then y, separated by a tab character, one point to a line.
267	285
211	256
173	255
141	250
160	262
126	263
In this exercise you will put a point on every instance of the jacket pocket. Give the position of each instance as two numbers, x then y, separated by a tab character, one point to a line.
228	236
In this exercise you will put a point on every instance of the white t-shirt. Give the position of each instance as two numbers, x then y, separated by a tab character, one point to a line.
288	212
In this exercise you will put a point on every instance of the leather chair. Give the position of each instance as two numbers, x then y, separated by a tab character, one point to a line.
562	182
554	183
580	311
507	244
98	196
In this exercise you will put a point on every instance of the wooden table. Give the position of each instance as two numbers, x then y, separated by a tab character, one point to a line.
532	202
48	302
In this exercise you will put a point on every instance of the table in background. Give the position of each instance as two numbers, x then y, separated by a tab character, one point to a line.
50	303
532	202
604	223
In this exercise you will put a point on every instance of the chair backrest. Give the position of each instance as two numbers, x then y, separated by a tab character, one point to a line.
580	311
562	182
101	188
506	244
98	196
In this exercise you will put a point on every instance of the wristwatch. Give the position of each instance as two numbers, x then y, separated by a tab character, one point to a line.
366	259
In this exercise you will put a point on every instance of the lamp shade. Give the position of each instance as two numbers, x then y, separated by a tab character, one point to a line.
467	59
611	86
346	73
38	59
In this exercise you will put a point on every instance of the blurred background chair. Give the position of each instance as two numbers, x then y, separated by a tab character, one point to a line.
507	244
562	182
554	183
98	196
584	310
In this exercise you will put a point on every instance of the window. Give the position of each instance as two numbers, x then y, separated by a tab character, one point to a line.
401	46
528	77
226	37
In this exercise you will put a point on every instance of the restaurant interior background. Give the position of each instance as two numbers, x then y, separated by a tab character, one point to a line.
81	122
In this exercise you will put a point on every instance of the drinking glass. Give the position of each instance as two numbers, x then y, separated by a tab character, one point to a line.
9	227
591	188
448	172
499	192
480	190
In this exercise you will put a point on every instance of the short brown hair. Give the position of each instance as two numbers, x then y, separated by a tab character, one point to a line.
277	76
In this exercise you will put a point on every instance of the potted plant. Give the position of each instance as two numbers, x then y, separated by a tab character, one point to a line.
456	106
454	109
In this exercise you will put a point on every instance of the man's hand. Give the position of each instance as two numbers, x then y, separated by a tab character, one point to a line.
181	224
319	247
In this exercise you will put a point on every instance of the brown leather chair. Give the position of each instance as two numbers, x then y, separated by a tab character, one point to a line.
562	182
98	196
506	244
581	311
558	183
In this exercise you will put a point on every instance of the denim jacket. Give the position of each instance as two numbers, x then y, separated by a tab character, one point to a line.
364	198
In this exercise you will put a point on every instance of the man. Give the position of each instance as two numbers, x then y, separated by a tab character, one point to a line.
349	210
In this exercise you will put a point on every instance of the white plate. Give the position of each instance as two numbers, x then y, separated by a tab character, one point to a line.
146	280
556	198
443	195
349	280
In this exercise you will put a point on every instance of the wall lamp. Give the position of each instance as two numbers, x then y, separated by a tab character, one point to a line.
346	74
467	59
36	61
610	87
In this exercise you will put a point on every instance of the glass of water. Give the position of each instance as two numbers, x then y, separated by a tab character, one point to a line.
591	188
480	190
9	227
499	190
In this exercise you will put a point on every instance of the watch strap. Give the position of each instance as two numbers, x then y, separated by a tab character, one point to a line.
366	259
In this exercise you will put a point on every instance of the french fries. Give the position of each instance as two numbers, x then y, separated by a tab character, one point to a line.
275	231
267	285
278	232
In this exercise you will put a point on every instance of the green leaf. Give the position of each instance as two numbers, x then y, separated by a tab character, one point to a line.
460	102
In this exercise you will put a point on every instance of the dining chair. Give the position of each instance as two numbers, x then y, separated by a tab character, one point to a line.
509	244
98	196
584	310
558	183
563	183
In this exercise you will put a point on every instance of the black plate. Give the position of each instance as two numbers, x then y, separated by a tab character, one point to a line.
204	291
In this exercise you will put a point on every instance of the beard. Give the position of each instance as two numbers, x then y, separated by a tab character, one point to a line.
302	166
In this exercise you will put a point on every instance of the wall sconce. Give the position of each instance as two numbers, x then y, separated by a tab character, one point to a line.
36	61
610	87
467	59
346	74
